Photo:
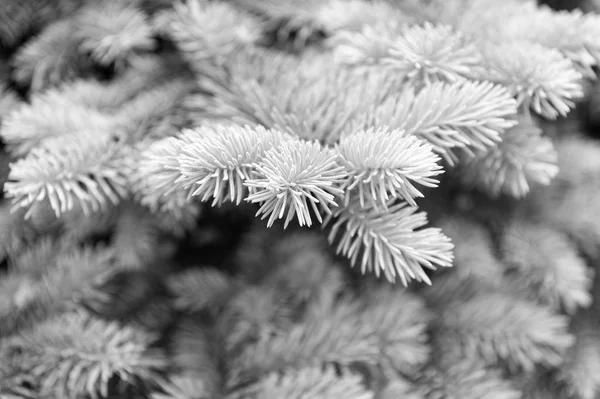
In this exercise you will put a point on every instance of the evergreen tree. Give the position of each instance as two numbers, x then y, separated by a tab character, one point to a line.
283	199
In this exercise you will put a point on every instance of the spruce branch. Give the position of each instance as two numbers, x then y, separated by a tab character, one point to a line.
548	264
153	182
49	117
541	385
197	290
136	238
295	178
474	254
183	386
571	203
286	93
37	257
145	74
50	276
14	232
254	314
152	114
523	159
371	333
93	94
178	223
311	110
384	164
465	379
388	241
572	33
194	361
305	383
449	116
283	10
50	59
219	162
573	214
18	19
287	24
341	16
422	54
42	218
450	288
85	105
429	53
16	293
336	337
400	321
399	387
578	162
367	47
498	327
8	101
206	31
305	272
296	264
73	270
111	32
581	369
133	297
75	169
540	78
78	226
75	355
67	277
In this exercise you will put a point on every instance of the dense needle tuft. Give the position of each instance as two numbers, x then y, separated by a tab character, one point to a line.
540	78
294	179
217	163
385	164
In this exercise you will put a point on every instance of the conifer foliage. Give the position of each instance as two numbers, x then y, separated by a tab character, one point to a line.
214	199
